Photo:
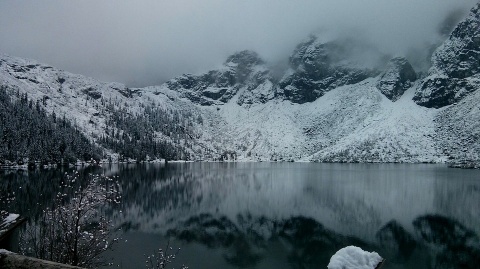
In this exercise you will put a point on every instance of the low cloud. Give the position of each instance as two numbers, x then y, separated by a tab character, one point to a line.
147	42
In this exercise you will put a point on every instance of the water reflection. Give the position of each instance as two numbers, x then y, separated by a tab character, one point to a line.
290	215
34	190
457	246
246	241
397	243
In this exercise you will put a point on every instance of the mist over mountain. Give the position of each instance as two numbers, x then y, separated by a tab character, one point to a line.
148	42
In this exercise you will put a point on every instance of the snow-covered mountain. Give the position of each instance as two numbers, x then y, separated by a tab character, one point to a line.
338	101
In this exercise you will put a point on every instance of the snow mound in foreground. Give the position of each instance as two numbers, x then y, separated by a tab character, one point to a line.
352	257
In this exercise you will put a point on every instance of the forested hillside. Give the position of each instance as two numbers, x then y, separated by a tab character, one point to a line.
135	136
28	134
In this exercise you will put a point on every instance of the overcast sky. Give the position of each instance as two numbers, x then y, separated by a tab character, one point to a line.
146	42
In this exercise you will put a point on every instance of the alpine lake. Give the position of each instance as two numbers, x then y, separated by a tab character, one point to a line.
280	215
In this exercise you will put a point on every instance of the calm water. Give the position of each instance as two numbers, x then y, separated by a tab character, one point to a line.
285	215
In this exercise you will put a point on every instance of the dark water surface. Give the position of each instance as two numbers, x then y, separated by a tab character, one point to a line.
284	215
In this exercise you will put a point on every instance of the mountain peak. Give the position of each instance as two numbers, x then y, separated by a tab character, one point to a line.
244	58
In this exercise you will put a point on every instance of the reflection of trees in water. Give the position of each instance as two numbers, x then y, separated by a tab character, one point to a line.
165	194
156	189
149	193
35	190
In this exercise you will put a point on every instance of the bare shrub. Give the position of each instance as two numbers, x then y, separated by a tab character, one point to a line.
74	229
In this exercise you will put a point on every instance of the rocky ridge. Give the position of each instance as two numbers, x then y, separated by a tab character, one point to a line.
397	78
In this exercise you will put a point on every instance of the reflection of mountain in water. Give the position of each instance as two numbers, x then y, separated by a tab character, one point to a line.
244	209
351	199
457	246
308	244
397	244
460	200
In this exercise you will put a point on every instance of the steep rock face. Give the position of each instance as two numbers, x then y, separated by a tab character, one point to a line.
243	72
455	66
397	78
317	67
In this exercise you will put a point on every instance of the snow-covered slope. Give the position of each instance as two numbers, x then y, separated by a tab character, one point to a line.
354	123
330	106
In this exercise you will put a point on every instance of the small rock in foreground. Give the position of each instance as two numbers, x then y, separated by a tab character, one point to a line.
352	257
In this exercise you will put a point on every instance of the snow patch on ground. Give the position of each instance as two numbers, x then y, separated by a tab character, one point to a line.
10	218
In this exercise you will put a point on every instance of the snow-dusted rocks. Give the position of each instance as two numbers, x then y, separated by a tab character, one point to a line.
13	260
243	73
397	78
352	257
317	67
7	221
455	66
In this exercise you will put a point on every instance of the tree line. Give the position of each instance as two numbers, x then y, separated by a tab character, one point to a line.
154	133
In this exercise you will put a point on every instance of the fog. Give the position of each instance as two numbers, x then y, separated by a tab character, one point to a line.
147	42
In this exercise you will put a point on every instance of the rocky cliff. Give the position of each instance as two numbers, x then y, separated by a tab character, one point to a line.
455	66
243	74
